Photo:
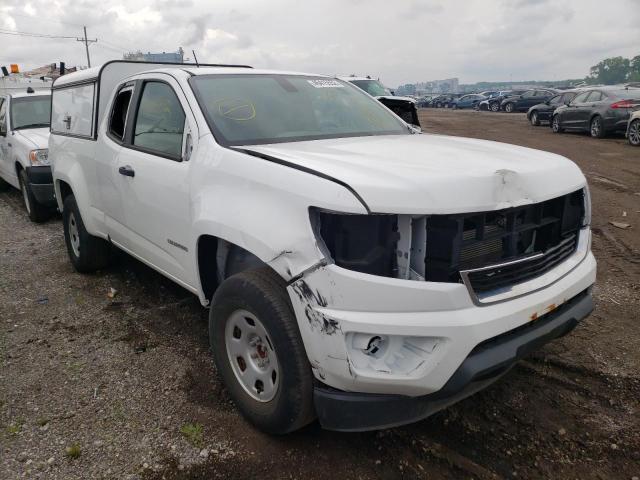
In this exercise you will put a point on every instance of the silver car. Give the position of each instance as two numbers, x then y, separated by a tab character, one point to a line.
633	129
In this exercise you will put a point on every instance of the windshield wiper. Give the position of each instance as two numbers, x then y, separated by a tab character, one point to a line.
32	125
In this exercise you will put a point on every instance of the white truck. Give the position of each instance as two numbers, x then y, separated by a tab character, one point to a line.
356	271
24	140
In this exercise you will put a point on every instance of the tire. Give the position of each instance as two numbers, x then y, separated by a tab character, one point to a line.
438	105
454	106
509	107
495	107
86	252
535	121
4	186
596	128
261	295
556	126
37	213
634	133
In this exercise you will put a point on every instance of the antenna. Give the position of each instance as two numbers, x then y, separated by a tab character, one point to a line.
195	58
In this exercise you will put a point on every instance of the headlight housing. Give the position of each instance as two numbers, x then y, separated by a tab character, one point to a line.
39	157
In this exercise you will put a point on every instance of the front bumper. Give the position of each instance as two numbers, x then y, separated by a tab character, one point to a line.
487	362
41	183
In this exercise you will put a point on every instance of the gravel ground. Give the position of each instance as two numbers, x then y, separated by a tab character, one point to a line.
109	375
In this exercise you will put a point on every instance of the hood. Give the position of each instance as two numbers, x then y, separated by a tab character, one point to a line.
38	137
434	174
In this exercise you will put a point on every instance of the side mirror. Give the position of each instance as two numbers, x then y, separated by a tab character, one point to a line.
567	102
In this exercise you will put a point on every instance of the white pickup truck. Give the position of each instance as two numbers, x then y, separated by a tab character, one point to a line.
24	139
356	271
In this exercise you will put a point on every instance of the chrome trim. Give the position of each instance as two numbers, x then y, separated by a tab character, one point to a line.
543	280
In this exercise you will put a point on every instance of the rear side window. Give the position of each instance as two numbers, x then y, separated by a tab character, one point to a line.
119	113
160	121
556	100
528	94
594	97
567	97
581	98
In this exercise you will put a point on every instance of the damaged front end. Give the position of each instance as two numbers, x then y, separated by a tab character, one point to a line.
405	109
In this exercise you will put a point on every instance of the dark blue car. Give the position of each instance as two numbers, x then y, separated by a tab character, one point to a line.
468	101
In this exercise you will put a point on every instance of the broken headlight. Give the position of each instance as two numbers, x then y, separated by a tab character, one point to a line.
363	243
39	157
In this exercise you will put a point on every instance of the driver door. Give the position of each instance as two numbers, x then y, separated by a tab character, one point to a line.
152	177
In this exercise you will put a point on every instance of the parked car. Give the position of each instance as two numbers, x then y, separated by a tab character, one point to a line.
599	111
404	107
24	161
467	101
522	102
350	272
633	129
542	112
493	103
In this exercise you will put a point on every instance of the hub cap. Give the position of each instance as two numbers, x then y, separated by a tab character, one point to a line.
556	124
634	132
494	107
509	107
595	127
74	236
251	355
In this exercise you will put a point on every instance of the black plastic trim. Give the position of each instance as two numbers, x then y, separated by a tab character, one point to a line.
488	361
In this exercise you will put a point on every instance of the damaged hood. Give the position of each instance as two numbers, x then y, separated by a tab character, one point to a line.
434	174
39	137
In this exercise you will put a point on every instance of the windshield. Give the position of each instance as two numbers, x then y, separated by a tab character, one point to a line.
30	112
372	87
259	109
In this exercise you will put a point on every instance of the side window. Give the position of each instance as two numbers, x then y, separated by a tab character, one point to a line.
594	97
3	116
555	100
119	113
160	120
528	94
567	97
581	98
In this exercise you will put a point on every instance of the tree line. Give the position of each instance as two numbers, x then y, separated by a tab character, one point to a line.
615	70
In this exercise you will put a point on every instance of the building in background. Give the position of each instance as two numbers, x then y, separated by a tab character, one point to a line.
164	57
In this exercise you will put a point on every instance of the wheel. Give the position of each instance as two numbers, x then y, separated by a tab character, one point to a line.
438	105
86	252
495	107
535	121
259	353
509	107
555	124
596	129
634	133
37	213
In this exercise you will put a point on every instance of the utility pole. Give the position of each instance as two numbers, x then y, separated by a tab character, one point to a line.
86	44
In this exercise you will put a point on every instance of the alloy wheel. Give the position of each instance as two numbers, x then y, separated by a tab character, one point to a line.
634	133
252	356
595	127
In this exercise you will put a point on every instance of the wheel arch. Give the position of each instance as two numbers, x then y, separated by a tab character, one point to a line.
218	259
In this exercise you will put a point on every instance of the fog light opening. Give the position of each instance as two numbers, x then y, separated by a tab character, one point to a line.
374	345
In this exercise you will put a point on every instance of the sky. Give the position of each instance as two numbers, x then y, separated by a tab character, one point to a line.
405	41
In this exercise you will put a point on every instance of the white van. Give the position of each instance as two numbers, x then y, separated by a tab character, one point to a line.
355	269
24	139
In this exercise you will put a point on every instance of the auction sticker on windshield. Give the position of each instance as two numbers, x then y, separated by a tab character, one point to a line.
326	83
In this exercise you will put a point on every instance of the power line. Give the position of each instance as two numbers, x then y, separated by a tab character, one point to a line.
28	34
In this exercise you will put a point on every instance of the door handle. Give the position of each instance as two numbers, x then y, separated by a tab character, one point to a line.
127	171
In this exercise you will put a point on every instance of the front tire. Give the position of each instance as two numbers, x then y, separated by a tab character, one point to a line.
86	252
37	213
634	133
556	127
596	127
495	107
535	121
509	107
259	352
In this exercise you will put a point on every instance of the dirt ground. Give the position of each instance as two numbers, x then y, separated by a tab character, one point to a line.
96	384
